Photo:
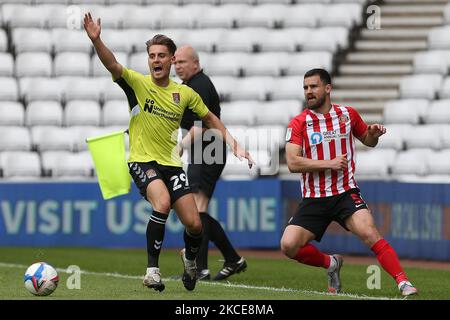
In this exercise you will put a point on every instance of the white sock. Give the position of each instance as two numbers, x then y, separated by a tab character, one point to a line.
152	270
333	264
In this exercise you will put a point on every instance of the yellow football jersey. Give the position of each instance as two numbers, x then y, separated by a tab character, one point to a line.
156	118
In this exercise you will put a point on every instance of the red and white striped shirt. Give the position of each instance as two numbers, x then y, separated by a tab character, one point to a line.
324	137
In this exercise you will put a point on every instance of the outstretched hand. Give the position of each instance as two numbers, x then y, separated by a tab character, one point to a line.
376	130
240	153
92	28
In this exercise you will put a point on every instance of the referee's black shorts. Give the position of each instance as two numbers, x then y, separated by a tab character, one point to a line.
315	214
203	177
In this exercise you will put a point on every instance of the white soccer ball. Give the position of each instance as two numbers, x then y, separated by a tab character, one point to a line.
41	279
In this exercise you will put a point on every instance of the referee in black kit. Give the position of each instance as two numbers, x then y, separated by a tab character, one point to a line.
203	173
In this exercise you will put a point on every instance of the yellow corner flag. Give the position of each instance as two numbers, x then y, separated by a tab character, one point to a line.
108	153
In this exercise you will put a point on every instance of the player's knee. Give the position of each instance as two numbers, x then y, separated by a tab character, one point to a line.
289	248
162	205
195	226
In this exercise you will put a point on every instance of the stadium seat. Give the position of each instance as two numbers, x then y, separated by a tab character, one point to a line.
70	40
424	136
118	40
28	39
326	39
64	16
395	136
72	64
204	39
49	160
223	16
243	39
44	113
227	63
436	62
210	2
145	17
98	2
127	2
183	17
224	86
239	112
8	89
51	138
438	38
82	113
24	16
20	164
14	138
302	16
225	2
420	86
112	91
139	62
375	163
266	64
112	15
341	15
282	40
81	133
83	88
252	88
12	113
410	162
33	64
271	137
439	112
153	2
32	89
262	16
444	92
405	111
278	112
75	165
300	63
287	88
115	113
3	41
238	170
437	162
99	70
445	138
6	65
177	35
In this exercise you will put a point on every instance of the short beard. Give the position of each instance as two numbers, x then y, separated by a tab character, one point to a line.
316	105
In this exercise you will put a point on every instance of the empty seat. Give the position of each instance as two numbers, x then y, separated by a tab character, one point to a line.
18	15
437	162
82	113
49	160
67	164
375	163
302	15
444	92
277	112
81	133
112	15
118	40
327	39
6	65
14	138
83	88
405	111
239	112
411	162
71	40
438	38
286	88
139	62
445	138
112	91
32	89
270	137
12	113
115	112
51	138
145	17
3	41
252	88
64	16
244	39
28	39
282	40
223	16
438	112
424	136
72	64
431	62
265	16
238	170
183	17
98	69
33	64
8	89
227	63
300	63
266	64
420	86
21	164
204	39
44	113
224	86
395	136
343	14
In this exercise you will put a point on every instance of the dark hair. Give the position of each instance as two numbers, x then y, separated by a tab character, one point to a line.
322	73
164	41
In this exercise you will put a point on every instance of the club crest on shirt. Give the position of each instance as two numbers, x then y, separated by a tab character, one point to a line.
343	119
176	97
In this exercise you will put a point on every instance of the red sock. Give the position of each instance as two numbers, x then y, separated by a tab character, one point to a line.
310	255
388	259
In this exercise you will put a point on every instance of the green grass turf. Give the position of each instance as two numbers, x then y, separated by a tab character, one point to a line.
265	279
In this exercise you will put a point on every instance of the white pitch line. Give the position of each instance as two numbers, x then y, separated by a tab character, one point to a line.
223	284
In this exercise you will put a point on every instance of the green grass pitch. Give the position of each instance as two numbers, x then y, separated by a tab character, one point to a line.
117	274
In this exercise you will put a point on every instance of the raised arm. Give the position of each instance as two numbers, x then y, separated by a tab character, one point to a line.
374	131
93	30
214	123
297	163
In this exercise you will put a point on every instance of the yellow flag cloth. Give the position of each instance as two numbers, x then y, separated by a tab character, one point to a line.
108	153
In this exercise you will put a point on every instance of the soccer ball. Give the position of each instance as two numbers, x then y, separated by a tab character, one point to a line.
41	279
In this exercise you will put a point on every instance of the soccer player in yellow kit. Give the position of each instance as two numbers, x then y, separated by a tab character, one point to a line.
157	104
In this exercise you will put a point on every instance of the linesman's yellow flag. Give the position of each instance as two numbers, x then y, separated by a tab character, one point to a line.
108	153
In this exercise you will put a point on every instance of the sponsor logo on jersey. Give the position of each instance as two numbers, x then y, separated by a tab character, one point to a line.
315	138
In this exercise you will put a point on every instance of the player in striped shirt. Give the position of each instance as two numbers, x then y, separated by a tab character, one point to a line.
321	147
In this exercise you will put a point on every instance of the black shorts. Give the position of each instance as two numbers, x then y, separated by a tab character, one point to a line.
204	177
315	214
173	177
